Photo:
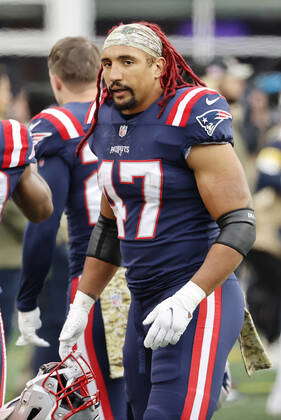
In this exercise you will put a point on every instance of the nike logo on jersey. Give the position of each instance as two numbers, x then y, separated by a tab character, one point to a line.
33	125
211	101
211	119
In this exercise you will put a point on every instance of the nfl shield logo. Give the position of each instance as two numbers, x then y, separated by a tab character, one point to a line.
123	130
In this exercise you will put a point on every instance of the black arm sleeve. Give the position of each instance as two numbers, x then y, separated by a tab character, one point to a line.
238	230
104	243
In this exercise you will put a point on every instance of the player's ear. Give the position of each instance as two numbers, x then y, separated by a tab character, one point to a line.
160	64
56	82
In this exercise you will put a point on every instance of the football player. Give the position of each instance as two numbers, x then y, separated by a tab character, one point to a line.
73	65
20	181
176	198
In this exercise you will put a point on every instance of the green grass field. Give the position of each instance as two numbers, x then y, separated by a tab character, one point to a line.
17	369
252	391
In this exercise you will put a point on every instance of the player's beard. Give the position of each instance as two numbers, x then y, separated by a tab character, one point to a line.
129	104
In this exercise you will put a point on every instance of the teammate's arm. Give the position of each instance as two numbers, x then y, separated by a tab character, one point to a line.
38	247
33	196
100	265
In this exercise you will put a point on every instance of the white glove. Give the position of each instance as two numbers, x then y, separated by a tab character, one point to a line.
171	317
29	322
75	323
75	367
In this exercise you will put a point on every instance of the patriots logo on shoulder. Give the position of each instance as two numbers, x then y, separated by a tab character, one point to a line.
36	137
211	119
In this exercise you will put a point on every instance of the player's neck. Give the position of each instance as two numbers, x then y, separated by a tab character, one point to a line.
87	95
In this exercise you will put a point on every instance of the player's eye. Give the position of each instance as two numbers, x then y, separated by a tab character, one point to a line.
128	62
106	64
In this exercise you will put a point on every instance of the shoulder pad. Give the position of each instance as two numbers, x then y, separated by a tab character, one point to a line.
63	120
186	102
205	116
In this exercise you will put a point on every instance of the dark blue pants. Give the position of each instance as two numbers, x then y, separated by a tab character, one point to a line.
52	303
182	381
9	286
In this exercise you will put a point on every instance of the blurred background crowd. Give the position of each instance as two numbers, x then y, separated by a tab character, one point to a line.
235	47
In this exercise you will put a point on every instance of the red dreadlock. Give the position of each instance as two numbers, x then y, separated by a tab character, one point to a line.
171	79
176	66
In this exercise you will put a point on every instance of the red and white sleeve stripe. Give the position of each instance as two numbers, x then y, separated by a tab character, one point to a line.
67	125
15	144
181	110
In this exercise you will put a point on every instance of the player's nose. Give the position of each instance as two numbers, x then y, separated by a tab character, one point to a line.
115	73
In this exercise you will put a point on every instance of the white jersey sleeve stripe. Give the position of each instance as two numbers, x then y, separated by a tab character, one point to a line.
183	103
15	157
64	120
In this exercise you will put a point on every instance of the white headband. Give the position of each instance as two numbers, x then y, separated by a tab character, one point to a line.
135	35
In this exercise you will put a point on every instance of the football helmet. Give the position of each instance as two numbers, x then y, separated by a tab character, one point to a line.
58	392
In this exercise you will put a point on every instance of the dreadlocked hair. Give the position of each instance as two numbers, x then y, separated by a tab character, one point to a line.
102	94
172	77
171	80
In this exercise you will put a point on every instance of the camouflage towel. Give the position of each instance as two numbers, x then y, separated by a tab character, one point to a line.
253	353
115	301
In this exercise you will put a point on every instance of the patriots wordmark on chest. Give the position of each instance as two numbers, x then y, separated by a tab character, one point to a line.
120	149
123	130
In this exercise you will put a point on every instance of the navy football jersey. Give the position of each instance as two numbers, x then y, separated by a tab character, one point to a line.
164	227
56	131
16	151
